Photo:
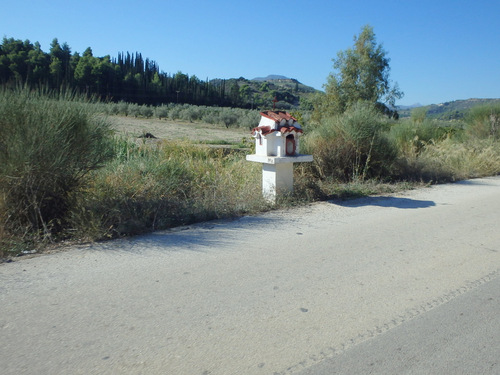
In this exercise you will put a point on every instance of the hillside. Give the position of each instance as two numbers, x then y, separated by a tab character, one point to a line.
453	110
261	91
132	78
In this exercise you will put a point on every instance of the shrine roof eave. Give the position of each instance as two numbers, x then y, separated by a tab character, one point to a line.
277	115
266	130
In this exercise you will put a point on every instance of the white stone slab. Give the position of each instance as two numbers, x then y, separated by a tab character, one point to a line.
279	159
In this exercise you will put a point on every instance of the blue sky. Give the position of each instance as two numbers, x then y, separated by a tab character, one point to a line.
440	50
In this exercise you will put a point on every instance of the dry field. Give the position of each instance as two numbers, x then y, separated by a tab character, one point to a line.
177	130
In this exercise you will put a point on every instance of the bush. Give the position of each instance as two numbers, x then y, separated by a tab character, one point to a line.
410	137
190	113
146	111
134	109
484	122
122	108
174	113
229	118
161	111
353	145
48	145
211	117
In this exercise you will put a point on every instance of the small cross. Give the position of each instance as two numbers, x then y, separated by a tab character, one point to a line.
274	103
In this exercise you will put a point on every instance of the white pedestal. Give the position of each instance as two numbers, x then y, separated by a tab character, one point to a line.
276	179
277	173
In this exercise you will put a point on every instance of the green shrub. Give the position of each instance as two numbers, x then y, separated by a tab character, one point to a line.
410	137
161	111
134	110
190	113
174	113
352	146
419	114
146	111
211	117
122	108
48	146
229	118
484	122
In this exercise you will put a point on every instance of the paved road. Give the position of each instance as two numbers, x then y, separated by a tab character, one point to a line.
461	337
280	293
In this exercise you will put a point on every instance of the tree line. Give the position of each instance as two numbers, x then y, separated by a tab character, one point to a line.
128	77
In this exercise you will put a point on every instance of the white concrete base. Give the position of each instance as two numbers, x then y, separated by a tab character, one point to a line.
276	179
279	159
277	173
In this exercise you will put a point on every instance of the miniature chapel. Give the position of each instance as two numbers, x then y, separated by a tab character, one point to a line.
277	148
277	134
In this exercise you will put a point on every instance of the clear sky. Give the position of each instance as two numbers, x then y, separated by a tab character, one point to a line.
440	50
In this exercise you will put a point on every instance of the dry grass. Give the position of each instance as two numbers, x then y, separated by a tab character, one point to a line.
150	187
188	174
176	130
471	159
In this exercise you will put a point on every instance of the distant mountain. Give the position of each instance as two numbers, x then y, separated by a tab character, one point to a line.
456	109
270	77
453	110
402	107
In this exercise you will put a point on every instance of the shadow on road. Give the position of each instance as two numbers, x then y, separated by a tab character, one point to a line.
477	182
196	238
394	202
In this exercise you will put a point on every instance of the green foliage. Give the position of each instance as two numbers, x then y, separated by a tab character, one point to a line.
131	78
155	186
484	121
418	114
128	77
452	160
412	136
61	173
352	146
229	117
361	74
48	146
146	111
161	111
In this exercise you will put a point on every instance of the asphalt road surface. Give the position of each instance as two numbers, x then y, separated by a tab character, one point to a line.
378	285
461	337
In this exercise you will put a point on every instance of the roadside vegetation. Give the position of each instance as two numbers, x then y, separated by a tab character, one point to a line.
65	175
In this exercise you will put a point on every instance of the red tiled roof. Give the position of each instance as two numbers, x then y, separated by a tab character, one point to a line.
278	115
265	130
288	129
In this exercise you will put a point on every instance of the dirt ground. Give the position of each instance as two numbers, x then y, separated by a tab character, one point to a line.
176	130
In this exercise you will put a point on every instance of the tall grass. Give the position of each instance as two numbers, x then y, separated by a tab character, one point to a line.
450	160
484	122
48	146
155	186
64	175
